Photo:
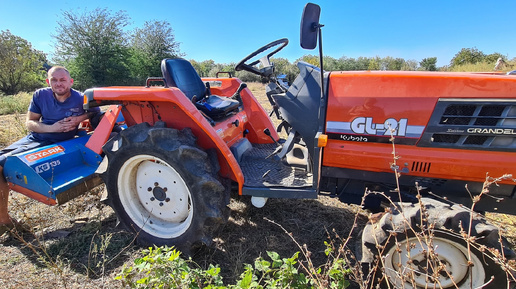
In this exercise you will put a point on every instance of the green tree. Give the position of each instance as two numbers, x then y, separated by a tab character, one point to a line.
283	66
374	63
222	68
203	68
93	46
390	63
312	59
410	65
22	66
362	63
429	64
493	57
467	56
149	46
330	64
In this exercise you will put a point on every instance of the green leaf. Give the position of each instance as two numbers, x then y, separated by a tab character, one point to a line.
246	281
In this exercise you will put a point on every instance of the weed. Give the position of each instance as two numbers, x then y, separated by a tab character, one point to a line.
162	267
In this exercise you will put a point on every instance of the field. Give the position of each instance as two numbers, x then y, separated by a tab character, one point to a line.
78	244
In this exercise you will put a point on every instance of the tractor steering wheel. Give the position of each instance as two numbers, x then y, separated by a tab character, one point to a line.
251	67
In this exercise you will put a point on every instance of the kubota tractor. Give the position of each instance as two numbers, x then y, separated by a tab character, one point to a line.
168	175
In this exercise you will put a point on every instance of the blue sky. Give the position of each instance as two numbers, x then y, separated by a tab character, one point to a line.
228	30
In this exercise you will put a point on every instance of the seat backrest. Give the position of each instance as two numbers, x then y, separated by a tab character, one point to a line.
180	73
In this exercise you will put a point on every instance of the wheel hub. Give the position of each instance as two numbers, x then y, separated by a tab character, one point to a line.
160	193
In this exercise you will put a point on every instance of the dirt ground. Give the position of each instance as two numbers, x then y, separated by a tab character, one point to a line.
78	244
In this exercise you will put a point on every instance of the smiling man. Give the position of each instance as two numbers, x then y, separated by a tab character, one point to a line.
54	115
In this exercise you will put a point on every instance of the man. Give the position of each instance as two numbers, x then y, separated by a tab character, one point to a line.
54	115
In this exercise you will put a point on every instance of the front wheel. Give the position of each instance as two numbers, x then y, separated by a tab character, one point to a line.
163	187
424	246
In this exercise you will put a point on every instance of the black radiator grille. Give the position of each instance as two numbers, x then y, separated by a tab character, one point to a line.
474	124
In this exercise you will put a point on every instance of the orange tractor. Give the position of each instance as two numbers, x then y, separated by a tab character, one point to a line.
187	143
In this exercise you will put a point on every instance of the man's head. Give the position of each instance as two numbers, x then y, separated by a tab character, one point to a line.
59	79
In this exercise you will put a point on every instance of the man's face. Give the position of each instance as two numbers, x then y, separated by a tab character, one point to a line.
60	82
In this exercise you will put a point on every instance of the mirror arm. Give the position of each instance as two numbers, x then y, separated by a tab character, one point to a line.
321	58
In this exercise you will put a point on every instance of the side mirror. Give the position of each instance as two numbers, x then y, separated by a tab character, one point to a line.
310	25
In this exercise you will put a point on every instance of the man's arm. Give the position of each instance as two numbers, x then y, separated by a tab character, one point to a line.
34	124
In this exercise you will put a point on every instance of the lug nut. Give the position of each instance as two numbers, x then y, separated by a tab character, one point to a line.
152	199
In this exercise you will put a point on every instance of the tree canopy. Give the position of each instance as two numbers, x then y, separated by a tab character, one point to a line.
22	65
98	50
149	45
93	46
474	56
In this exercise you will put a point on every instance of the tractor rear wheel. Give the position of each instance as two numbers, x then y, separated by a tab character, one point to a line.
163	187
430	252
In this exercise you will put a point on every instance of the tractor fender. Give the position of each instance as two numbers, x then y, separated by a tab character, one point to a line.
171	106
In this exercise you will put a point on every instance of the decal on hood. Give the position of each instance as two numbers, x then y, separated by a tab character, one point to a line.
365	129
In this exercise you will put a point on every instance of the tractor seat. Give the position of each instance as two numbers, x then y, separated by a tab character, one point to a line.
180	73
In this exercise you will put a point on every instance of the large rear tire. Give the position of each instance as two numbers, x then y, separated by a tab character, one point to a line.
163	187
423	248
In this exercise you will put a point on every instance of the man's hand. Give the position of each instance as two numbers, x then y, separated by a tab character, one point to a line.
65	125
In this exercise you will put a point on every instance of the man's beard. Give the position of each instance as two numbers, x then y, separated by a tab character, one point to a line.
64	92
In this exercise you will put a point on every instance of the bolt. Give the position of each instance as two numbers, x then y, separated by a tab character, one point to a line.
167	200
165	189
156	184
149	189
152	199
161	204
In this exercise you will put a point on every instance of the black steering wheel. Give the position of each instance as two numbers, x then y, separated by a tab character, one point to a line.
251	67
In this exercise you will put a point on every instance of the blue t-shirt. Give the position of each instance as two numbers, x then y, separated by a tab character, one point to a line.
44	103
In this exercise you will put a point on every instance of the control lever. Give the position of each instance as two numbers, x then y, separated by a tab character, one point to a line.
208	89
278	149
268	133
236	95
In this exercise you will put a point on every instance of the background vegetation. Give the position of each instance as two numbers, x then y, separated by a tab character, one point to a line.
98	50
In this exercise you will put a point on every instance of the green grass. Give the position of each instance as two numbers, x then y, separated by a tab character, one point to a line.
17	103
481	67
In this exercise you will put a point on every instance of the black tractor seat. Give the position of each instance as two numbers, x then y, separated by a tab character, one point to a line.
180	73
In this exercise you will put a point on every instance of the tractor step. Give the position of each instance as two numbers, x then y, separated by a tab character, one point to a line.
263	170
55	173
267	177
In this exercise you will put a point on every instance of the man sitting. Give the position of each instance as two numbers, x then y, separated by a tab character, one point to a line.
54	115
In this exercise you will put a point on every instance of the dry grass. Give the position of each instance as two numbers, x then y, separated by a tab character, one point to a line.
78	245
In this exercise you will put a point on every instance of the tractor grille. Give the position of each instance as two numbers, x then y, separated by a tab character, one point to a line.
422	167
474	124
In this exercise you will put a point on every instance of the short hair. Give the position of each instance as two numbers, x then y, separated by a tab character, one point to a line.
57	67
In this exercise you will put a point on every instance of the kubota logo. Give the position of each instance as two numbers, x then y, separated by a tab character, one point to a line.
44	153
